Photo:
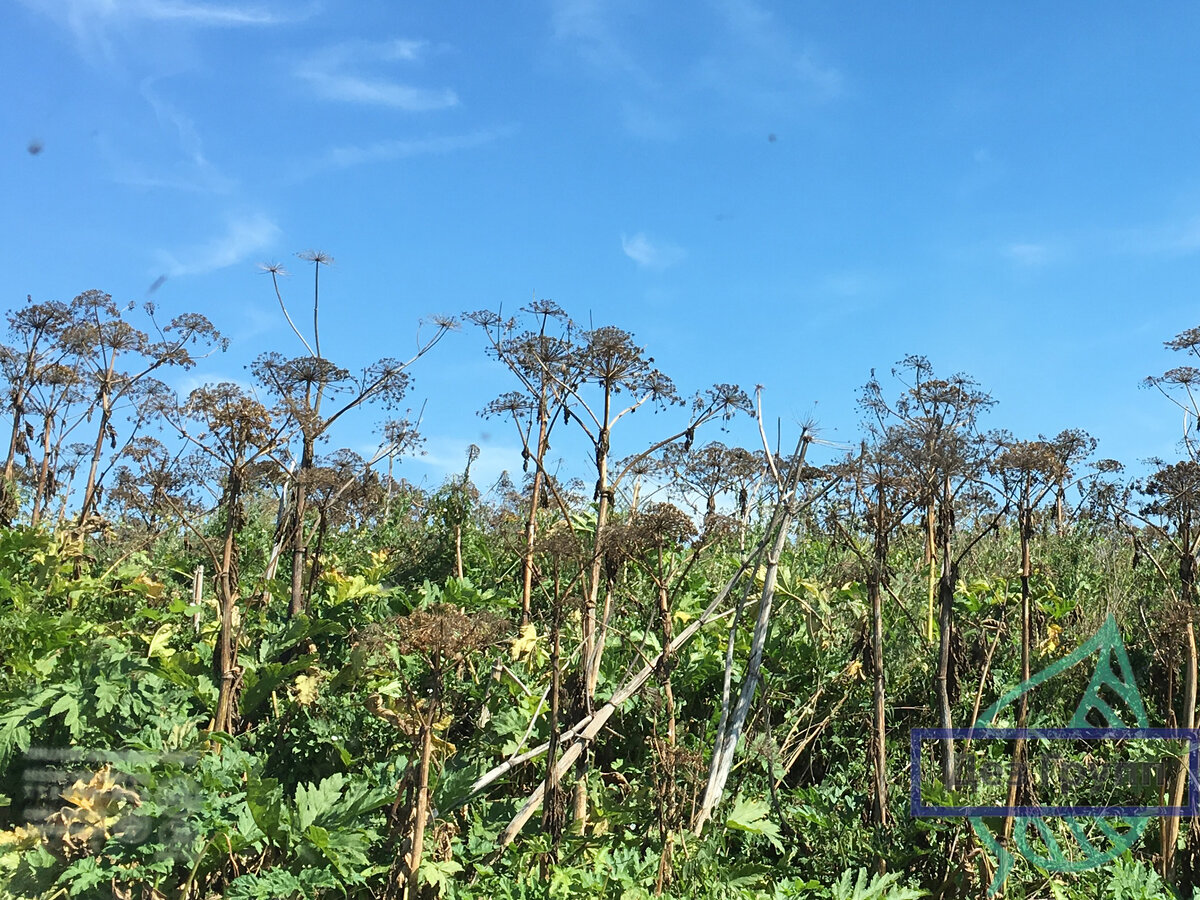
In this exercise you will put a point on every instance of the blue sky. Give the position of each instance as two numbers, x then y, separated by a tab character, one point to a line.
778	194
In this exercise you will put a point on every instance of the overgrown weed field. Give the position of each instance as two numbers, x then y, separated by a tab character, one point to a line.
237	664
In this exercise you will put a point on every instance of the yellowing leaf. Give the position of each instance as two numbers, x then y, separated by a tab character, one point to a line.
95	807
854	670
306	689
524	644
149	586
1051	642
160	643
20	838
406	719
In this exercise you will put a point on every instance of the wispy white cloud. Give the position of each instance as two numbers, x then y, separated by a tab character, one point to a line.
193	171
1029	254
852	284
842	295
331	73
196	13
95	23
651	254
587	26
111	31
378	91
244	238
176	163
982	171
394	50
80	12
761	60
400	148
736	56
828	81
140	175
643	122
1176	239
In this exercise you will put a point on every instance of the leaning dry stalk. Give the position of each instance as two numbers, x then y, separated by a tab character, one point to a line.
587	728
735	720
729	729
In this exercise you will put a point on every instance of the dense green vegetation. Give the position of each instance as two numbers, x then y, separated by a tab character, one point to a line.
261	670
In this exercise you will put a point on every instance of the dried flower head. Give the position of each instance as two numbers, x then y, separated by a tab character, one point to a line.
319	257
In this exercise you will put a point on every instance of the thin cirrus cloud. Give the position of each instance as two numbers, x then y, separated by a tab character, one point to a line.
740	56
1179	238
242	239
587	26
81	12
1029	254
348	156
650	254
87	17
199	13
332	75
1172	238
761	59
379	92
105	31
192	169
